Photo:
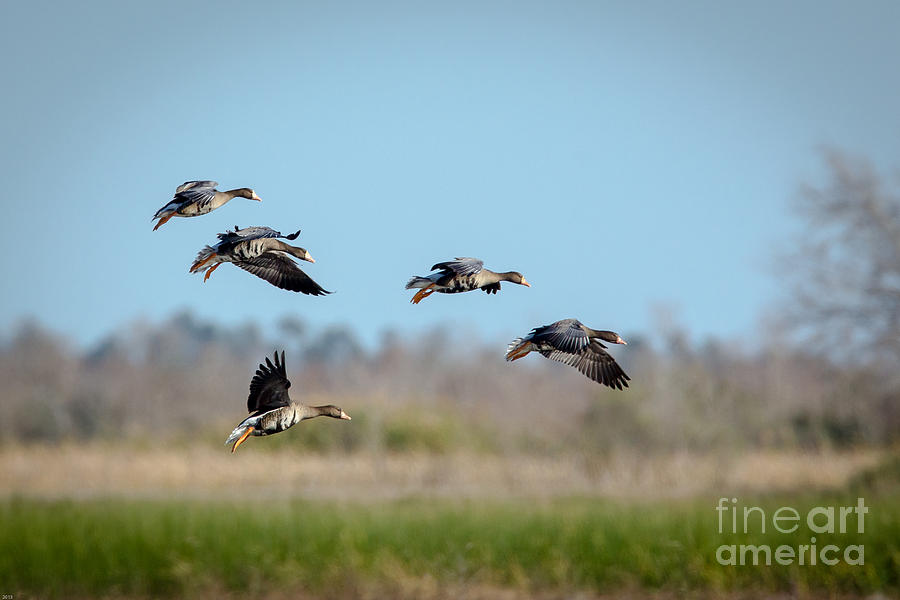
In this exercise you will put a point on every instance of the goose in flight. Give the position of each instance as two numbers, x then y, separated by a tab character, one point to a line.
258	250
571	342
271	406
195	198
461	275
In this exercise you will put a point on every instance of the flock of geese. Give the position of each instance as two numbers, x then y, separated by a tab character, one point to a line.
261	251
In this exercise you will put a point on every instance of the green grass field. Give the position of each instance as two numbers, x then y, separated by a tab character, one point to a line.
152	548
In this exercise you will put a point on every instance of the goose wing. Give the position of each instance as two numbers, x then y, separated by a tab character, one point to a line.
199	192
567	336
282	272
269	387
248	233
596	363
187	185
462	266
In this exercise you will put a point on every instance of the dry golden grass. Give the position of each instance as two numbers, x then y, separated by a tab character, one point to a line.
99	470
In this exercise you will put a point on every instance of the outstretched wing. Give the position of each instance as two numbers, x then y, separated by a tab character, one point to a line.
567	336
461	266
282	272
198	192
269	387
189	185
596	363
248	233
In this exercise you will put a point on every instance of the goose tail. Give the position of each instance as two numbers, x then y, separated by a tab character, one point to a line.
418	282
163	218
242	432
517	348
203	257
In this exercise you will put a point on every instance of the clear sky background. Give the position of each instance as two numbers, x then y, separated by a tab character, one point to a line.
620	155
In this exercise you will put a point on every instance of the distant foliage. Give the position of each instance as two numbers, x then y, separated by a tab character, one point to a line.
844	266
828	377
187	378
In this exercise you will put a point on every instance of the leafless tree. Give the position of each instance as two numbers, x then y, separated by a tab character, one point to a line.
843	268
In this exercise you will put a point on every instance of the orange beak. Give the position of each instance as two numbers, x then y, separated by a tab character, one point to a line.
525	283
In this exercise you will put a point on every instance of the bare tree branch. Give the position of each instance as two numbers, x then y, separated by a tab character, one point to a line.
844	269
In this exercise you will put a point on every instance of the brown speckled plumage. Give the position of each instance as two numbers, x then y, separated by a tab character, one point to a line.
461	275
272	410
258	250
195	198
571	342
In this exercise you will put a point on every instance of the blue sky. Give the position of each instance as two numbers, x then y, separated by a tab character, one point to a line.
620	155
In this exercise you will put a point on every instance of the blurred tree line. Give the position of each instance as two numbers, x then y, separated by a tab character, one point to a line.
826	378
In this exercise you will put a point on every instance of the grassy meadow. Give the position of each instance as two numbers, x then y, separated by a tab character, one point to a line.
453	479
420	547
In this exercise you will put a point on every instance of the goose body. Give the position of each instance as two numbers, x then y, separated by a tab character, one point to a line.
260	251
571	342
461	275
194	198
272	410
